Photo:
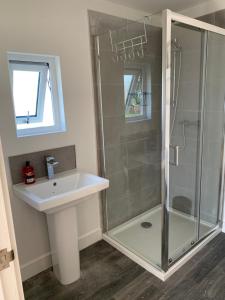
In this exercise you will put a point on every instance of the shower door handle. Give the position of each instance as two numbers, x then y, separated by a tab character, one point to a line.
176	149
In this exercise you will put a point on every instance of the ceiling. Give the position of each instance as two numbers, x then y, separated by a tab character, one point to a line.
158	5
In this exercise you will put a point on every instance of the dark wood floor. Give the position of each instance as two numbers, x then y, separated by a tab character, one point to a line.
106	274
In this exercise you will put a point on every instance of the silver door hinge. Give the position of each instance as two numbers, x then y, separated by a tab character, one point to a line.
5	258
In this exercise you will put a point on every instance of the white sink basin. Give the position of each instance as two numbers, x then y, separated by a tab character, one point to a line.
58	198
67	188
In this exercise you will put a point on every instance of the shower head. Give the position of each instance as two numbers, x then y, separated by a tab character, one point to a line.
176	45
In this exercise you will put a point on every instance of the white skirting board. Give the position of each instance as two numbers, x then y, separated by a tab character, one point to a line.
43	262
223	227
90	238
35	266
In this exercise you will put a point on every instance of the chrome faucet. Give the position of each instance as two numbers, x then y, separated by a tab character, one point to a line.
51	163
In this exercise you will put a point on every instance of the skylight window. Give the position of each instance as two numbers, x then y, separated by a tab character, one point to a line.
37	94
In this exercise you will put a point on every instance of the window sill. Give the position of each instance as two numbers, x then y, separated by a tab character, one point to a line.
136	120
39	131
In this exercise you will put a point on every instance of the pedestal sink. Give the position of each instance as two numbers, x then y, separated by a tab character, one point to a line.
58	198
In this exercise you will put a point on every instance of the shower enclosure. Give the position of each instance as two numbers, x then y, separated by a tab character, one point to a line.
161	96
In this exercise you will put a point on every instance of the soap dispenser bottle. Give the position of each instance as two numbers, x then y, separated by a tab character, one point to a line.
28	173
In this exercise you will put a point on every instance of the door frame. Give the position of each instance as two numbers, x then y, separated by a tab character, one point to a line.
167	18
10	278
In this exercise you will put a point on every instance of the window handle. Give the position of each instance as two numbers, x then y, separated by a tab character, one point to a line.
28	117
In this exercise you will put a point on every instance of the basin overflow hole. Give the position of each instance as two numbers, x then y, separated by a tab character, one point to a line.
146	225
54	184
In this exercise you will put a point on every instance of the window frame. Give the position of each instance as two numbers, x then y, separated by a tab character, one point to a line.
53	63
135	71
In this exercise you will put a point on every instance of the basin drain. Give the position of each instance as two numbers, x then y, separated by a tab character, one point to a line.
146	224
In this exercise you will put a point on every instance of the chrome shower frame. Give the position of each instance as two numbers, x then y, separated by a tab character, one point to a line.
168	18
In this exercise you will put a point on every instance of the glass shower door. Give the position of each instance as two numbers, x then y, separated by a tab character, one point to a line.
193	132
213	133
185	137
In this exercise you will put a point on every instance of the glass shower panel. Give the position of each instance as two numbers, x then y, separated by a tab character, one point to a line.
213	132
130	89
185	137
196	135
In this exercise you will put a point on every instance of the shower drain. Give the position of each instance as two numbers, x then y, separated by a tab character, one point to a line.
146	224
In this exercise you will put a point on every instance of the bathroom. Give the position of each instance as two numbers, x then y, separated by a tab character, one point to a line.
68	31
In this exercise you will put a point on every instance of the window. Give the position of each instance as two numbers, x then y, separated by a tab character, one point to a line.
37	94
135	95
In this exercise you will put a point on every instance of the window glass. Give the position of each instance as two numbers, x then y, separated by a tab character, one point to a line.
127	84
25	92
134	94
46	117
48	109
37	94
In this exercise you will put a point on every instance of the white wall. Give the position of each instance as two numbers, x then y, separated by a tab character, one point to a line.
59	28
204	8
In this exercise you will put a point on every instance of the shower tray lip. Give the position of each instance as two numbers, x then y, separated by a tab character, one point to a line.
151	265
154	269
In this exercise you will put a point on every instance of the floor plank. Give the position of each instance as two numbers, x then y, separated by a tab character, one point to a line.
106	274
